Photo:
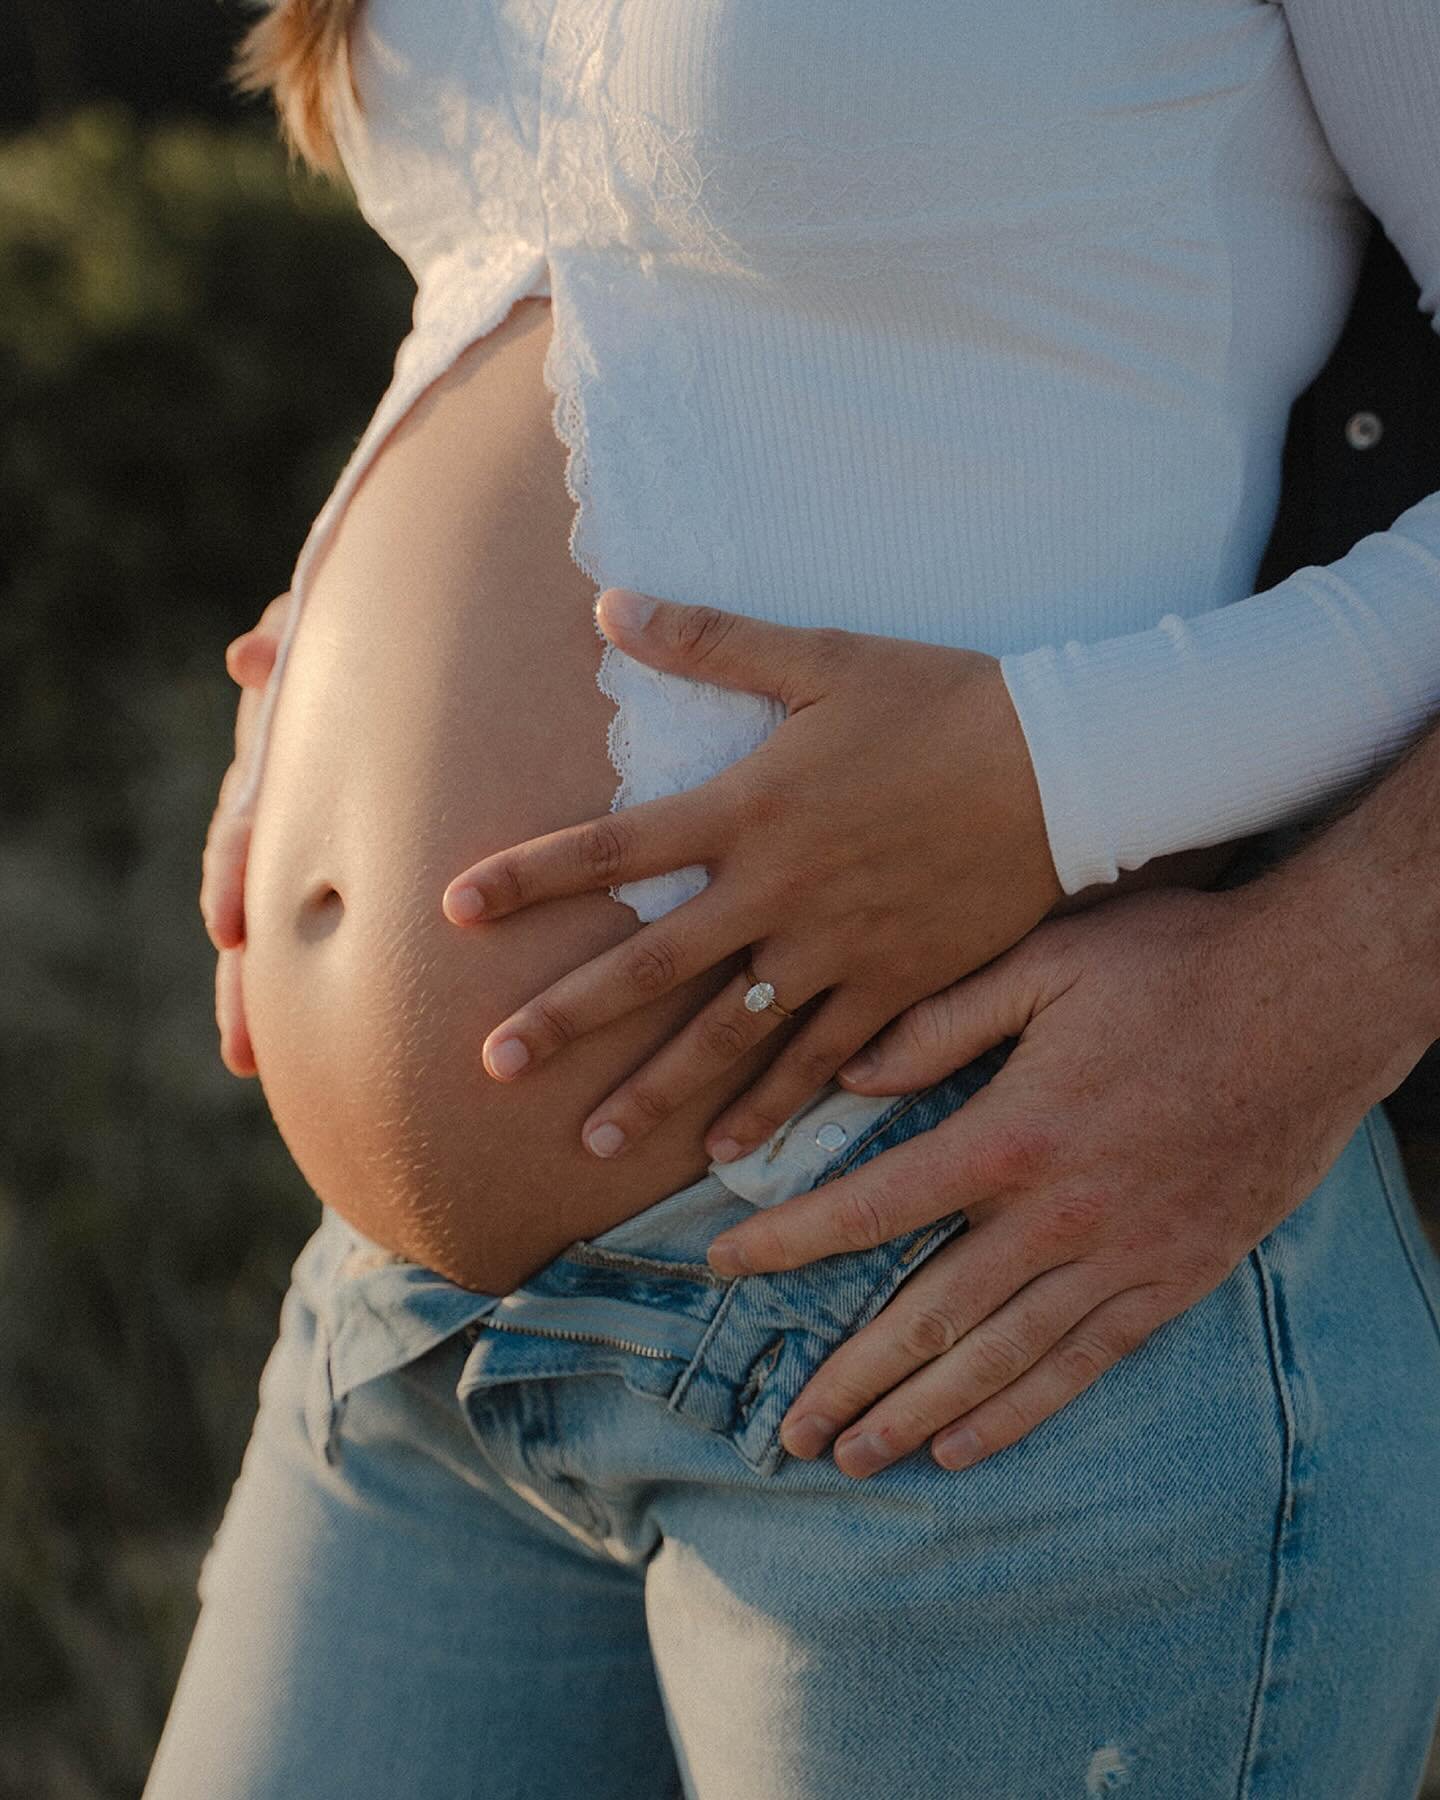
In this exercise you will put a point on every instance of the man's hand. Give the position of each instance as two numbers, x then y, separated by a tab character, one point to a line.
249	659
1189	1067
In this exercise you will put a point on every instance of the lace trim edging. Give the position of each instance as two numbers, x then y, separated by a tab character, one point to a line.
564	377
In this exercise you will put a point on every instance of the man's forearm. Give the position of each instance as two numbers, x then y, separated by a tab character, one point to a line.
1361	896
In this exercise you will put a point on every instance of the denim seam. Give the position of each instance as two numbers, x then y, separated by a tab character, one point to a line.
760	1372
687	1375
1393	1202
892	1268
584	1252
1269	1308
591	1521
682	1386
903	1105
329	1406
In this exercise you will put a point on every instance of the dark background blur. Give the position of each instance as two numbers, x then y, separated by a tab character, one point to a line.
191	340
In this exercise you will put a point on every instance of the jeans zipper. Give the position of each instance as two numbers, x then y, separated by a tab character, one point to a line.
582	1337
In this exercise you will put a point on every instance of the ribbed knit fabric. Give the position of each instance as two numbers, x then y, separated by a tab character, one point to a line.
967	323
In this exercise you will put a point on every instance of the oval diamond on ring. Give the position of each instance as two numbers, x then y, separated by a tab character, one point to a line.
760	997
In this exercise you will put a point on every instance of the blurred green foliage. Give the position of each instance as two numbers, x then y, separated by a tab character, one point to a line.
191	339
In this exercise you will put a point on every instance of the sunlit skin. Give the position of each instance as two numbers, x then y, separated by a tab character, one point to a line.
446	630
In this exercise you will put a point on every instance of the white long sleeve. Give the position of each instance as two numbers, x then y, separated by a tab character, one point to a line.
979	326
1207	728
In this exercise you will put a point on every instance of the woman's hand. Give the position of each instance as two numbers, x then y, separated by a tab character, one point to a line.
884	840
249	659
1189	1067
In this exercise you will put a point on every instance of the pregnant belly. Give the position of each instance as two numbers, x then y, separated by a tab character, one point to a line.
439	703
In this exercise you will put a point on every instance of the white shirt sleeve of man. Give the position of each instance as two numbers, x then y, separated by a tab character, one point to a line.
1257	713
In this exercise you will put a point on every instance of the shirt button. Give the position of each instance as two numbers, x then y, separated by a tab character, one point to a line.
1362	430
831	1136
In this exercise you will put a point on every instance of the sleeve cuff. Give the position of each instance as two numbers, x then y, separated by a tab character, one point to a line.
1250	716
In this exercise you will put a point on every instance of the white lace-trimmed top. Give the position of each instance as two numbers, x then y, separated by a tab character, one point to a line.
971	323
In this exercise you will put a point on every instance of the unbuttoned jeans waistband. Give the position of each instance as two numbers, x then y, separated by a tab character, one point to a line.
639	1300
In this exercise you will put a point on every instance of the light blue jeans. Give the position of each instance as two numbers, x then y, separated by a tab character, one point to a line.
546	1545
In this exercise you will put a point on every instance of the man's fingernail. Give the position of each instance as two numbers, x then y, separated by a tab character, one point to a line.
957	1449
863	1454
807	1435
465	904
724	1150
728	1259
627	609
862	1064
506	1058
605	1140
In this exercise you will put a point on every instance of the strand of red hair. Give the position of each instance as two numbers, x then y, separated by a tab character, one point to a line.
295	51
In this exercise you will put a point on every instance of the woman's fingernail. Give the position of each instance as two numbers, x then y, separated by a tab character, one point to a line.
863	1454
465	904
860	1065
957	1449
728	1259
724	1150
627	609
506	1058
807	1435
605	1140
